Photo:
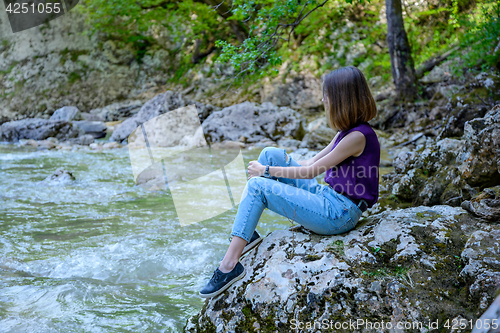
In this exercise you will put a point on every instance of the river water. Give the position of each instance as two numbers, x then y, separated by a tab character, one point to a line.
100	254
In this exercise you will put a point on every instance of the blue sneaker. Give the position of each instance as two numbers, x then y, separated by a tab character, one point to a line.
221	281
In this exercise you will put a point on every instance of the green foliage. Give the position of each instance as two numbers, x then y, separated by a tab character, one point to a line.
434	30
399	272
473	26
266	30
337	247
275	37
376	250
482	36
73	77
138	22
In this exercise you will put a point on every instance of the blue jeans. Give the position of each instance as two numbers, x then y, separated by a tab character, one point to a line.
315	206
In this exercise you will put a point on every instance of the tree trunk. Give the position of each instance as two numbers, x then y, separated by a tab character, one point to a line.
403	70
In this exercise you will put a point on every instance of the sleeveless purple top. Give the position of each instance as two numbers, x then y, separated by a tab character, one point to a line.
357	177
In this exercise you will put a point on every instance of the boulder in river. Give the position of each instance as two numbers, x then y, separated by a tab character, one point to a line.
38	129
66	113
117	111
95	128
249	123
60	176
417	265
155	107
83	140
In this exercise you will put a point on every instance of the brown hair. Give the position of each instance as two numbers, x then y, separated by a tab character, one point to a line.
348	100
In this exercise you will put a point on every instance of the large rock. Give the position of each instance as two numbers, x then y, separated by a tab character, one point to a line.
66	113
439	73
486	204
118	111
300	92
155	107
426	176
471	102
84	140
480	158
60	176
56	65
38	129
318	134
95	128
249	123
449	171
415	265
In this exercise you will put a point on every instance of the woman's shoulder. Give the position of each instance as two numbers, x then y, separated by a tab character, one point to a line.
370	135
364	128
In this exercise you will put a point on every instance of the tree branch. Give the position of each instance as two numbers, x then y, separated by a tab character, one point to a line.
433	62
271	40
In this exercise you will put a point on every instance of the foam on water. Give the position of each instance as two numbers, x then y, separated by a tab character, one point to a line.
99	253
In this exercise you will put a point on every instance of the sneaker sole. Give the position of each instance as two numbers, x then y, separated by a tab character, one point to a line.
251	245
223	289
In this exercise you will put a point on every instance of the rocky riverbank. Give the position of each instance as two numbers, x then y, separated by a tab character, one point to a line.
421	265
464	171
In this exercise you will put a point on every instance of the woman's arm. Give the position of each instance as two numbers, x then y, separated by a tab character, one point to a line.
351	144
319	155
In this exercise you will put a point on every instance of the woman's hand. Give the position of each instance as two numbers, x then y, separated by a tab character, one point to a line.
255	169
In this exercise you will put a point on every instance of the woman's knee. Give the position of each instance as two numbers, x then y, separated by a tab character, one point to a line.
253	188
271	154
255	183
262	186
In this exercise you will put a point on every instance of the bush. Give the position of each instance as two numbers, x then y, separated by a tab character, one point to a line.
482	37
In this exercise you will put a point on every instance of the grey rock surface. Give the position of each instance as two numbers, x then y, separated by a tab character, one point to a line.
318	134
302	92
95	128
83	140
485	205
155	107
249	123
60	176
449	171
66	113
118	111
418	264
38	129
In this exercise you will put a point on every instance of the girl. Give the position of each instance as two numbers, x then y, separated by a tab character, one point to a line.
289	188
